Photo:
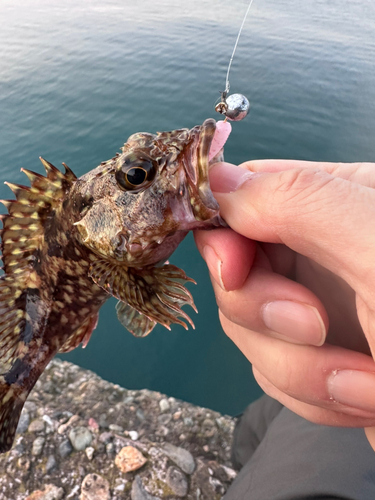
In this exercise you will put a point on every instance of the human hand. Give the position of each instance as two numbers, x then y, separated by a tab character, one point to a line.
300	304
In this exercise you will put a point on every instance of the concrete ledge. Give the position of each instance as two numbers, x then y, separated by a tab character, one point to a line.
82	438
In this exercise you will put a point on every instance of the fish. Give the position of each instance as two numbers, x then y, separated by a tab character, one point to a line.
68	244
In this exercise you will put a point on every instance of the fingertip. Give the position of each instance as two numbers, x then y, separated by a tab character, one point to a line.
228	178
294	321
215	265
229	256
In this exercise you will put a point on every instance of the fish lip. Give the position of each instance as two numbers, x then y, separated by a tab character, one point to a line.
205	140
203	204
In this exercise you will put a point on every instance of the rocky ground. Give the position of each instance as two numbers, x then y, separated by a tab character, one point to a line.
82	438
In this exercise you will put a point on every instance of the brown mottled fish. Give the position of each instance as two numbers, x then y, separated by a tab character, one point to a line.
68	244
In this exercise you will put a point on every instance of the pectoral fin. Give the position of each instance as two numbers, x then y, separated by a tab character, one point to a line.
138	324
155	292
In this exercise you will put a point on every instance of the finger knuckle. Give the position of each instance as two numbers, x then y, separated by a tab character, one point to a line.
299	189
296	181
280	376
284	374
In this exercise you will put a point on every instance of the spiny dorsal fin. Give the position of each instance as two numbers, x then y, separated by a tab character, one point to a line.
22	235
156	292
23	225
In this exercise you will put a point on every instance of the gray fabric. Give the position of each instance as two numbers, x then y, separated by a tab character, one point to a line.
251	429
298	460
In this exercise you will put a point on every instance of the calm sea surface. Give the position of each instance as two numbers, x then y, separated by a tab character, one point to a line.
78	77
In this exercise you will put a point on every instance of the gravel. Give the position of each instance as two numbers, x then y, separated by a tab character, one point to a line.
177	481
75	424
65	448
183	458
80	437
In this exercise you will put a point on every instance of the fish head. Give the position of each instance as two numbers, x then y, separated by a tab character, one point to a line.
137	207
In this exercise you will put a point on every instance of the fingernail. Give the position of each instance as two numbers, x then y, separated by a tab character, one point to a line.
227	178
353	388
214	264
295	321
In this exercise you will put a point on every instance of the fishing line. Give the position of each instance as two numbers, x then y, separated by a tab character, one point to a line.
227	84
236	106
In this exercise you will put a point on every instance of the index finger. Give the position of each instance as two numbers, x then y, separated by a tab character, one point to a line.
361	173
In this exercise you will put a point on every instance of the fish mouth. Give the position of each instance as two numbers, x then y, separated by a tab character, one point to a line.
208	139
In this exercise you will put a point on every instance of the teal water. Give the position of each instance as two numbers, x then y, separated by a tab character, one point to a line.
78	77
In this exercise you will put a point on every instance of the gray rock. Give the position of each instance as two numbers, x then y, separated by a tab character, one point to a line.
18	450
65	448
23	422
50	424
38	444
177	481
48	420
105	437
139	413
110	449
138	492
231	473
80	437
164	405
100	448
162	431
48	386
188	422
64	416
81	471
51	463
207	422
37	425
103	421
30	406
116	428
120	487
180	457
164	418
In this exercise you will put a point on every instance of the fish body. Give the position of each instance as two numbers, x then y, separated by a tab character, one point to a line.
68	244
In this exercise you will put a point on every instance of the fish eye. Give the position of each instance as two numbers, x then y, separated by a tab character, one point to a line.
135	171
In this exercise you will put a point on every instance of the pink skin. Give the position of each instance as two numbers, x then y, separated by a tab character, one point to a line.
222	132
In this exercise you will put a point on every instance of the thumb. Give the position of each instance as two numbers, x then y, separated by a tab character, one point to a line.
326	218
